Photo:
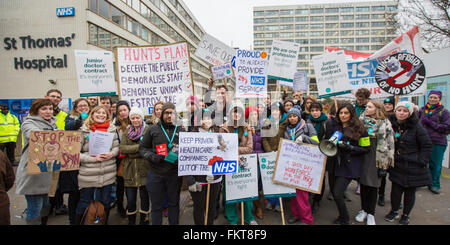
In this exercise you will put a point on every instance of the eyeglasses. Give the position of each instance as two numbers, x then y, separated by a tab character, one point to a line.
167	113
83	106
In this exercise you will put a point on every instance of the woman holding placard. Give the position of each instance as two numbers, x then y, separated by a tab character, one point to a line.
353	143
97	173
237	125
68	180
35	187
135	168
379	159
300	131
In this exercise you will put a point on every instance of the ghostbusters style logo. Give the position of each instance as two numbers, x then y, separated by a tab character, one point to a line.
400	74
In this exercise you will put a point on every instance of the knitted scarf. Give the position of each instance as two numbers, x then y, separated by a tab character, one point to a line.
100	127
292	130
134	134
429	109
317	121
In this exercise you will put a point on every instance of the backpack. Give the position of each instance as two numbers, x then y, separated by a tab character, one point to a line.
94	214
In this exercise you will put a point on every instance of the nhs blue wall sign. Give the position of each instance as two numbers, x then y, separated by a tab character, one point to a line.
63	12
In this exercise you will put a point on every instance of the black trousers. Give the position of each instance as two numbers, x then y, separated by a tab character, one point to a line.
74	197
120	191
382	189
368	198
339	186
318	197
408	200
10	150
199	199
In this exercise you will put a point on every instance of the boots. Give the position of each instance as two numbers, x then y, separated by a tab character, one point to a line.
78	218
121	210
258	209
131	217
144	217
45	212
44	220
34	221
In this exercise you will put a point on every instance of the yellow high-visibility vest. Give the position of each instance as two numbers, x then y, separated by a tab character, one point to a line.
61	119
9	128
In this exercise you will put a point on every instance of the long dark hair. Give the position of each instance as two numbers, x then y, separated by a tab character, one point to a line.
355	128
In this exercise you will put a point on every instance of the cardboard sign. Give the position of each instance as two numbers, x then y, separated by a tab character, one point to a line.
400	74
243	186
207	153
267	165
251	73
222	71
51	151
214	51
300	166
300	81
283	60
148	74
331	74
95	73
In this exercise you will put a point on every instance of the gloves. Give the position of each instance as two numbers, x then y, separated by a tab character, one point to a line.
381	172
196	187
345	146
210	178
299	140
159	158
78	123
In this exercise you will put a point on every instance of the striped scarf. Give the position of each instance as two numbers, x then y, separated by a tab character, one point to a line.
429	109
135	135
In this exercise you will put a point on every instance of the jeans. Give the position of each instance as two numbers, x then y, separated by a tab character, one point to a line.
158	186
339	186
408	200
131	193
102	194
37	205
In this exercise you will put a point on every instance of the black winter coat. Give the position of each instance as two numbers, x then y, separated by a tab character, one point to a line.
147	148
68	180
412	153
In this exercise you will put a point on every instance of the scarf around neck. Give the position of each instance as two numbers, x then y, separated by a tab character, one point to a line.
317	121
429	109
134	134
292	130
100	127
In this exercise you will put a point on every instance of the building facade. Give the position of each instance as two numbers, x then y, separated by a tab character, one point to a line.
363	27
39	39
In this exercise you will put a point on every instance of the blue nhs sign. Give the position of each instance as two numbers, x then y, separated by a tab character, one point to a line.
62	12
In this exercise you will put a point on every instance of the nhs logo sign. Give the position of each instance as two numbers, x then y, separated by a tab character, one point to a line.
224	167
63	12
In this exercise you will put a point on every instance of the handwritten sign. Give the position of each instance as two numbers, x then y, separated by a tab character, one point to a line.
331	74
148	74
251	73
51	151
283	60
299	166
267	165
95	73
243	186
207	153
222	71
214	51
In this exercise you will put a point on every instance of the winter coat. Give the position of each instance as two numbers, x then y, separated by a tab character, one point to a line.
7	178
147	148
304	129
413	149
33	184
271	143
437	124
347	163
257	141
135	167
93	173
244	137
322	127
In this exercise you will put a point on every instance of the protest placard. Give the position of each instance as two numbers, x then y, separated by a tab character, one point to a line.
283	60
300	81
51	151
299	166
148	74
95	73
207	153
251	73
222	71
214	51
243	186
331	74
100	142
267	165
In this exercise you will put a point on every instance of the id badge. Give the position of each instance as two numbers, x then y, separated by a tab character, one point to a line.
171	157
161	149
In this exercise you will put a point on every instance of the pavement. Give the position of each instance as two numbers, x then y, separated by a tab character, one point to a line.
429	209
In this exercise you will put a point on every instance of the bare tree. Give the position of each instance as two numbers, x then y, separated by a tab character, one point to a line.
433	19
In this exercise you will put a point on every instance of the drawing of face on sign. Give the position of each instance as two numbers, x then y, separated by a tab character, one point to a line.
222	144
51	154
243	164
51	150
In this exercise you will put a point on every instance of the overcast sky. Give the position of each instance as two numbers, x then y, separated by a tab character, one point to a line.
231	21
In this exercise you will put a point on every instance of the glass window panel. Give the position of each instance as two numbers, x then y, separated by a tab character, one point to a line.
332	17
301	19
347	17
301	26
331	25
304	49
377	8
347	25
378	24
316	49
103	8
378	16
362	16
347	40
286	11
258	13
316	41
271	12
316	18
286	19
104	38
316	26
377	39
301	34
301	11
362	47
317	11
118	17
316	33
93	5
347	10
258	21
362	9
361	32
332	10
363	40
332	40
302	41
93	34
362	24
332	33
347	33
136	5
271	20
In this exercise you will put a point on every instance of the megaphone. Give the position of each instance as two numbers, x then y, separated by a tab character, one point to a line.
329	147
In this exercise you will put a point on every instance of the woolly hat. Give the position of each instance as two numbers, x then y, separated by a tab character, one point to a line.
390	100
408	105
136	111
192	99
250	109
122	102
436	92
295	110
167	105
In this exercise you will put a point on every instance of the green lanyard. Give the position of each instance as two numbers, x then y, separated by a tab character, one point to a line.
167	136
292	132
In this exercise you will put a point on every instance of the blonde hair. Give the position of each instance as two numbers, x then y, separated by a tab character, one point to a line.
153	118
309	97
90	119
380	112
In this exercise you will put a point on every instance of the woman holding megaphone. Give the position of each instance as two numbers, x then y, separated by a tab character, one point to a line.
352	142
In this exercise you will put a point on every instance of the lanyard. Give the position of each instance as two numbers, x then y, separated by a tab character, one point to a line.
292	131
167	136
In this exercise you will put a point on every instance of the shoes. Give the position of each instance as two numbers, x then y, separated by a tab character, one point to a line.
361	216
370	220
381	201
166	212
253	222
61	210
292	220
391	216
347	196
340	221
358	190
330	196
434	190
404	220
121	211
315	207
